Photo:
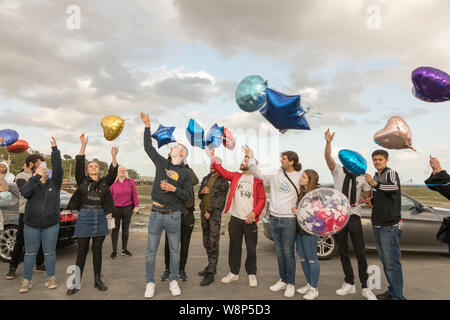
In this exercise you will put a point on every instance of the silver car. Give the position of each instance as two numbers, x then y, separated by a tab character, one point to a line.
420	225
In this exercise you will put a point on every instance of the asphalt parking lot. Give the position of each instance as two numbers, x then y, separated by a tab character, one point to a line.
426	276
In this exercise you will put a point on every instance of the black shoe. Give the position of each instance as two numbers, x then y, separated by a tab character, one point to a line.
208	279
99	283
204	272
41	268
114	255
183	276
11	274
126	253
384	296
165	275
72	291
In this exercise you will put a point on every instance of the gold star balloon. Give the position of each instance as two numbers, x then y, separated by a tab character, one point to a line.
112	127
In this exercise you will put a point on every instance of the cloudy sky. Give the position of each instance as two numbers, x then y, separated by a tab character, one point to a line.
351	61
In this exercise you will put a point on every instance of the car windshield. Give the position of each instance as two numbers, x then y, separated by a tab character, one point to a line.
407	204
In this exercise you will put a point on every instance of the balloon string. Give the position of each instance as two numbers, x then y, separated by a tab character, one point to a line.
362	201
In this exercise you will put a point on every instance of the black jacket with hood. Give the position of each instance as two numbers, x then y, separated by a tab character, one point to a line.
42	208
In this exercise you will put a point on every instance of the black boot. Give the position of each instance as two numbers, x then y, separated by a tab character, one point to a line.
207	280
99	283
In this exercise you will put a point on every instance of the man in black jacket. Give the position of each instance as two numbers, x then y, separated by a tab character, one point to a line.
213	194
32	161
172	186
386	222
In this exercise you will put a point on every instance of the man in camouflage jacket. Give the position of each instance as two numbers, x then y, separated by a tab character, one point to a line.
213	194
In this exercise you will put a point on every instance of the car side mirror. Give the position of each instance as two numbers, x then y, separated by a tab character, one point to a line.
417	209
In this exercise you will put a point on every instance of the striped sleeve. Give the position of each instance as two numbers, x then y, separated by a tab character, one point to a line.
392	182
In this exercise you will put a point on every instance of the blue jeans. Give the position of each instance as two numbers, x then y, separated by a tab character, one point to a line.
307	251
283	234
158	222
388	248
33	238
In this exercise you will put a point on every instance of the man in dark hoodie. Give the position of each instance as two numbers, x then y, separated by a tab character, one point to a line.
32	161
187	225
41	218
172	186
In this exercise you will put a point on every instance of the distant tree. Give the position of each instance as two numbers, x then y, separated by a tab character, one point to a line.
67	157
133	174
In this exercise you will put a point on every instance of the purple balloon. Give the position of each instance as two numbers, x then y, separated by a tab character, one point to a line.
318	225
430	84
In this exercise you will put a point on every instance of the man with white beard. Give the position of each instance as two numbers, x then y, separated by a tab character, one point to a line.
172	186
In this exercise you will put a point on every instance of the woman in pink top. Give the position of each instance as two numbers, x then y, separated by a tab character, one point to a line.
126	203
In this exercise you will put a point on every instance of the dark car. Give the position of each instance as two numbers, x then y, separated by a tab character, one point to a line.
66	235
420	225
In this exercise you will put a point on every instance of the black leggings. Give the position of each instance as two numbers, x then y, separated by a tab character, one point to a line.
83	249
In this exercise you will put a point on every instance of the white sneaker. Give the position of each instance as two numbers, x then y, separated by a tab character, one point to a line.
346	289
280	285
149	290
252	282
229	278
26	286
290	291
312	294
174	288
304	289
368	294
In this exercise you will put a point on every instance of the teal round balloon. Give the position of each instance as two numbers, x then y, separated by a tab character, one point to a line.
353	161
251	93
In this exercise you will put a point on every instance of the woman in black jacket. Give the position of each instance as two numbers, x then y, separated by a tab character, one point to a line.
94	202
439	180
41	218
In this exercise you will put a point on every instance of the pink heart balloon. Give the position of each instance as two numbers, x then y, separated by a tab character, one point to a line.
395	135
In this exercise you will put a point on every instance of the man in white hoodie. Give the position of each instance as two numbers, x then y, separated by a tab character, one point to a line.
4	172
284	184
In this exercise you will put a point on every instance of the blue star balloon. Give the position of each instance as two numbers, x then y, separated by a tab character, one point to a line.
284	112
164	135
195	134
353	161
251	93
9	135
214	137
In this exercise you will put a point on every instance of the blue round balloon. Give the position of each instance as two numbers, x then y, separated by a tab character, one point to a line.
251	93
353	161
9	135
214	137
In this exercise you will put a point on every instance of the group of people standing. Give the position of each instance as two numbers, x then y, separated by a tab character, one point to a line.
240	193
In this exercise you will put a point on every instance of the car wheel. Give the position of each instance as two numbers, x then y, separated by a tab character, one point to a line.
326	247
7	241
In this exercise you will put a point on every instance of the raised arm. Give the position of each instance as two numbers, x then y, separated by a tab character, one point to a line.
58	173
113	168
253	165
80	167
148	146
218	167
329	159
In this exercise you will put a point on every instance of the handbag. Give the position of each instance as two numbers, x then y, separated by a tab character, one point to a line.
111	223
297	226
443	235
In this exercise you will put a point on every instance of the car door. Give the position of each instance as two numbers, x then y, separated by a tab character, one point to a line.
419	226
